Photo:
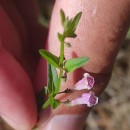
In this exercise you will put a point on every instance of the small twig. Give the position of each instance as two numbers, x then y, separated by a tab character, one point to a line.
65	91
66	102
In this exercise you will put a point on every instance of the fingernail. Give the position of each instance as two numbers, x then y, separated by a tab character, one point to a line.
66	122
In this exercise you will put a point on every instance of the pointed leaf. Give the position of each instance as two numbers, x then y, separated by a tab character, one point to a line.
51	58
50	80
51	100
76	21
72	24
66	23
62	15
75	63
46	104
54	76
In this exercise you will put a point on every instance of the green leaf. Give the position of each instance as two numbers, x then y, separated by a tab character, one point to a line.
54	76
73	25
51	100
75	63
51	58
62	15
56	103
50	80
46	104
76	21
66	23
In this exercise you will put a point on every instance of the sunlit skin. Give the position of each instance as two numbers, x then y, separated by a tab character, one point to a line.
101	30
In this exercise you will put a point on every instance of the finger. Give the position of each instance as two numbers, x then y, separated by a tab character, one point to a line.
100	32
17	99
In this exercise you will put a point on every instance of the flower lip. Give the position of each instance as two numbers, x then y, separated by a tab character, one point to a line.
87	82
87	98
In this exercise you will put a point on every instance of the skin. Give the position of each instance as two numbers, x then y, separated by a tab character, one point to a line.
101	30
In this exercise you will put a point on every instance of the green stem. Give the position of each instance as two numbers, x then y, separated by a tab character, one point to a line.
61	63
62	53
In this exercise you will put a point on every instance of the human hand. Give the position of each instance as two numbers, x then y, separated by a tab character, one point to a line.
102	28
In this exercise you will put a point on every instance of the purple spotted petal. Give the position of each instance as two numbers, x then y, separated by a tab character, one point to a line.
87	98
87	82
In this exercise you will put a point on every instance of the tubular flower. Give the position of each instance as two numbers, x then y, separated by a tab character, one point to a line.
87	82
87	98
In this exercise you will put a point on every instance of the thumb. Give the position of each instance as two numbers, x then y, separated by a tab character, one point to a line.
102	27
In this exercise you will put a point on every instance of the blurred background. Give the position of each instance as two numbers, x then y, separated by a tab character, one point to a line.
113	110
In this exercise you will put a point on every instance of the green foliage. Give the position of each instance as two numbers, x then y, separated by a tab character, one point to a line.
62	15
54	80
70	25
50	84
51	101
75	63
55	104
46	104
55	77
66	23
51	58
51	87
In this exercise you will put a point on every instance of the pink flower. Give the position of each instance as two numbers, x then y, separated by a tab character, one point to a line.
86	82
87	98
